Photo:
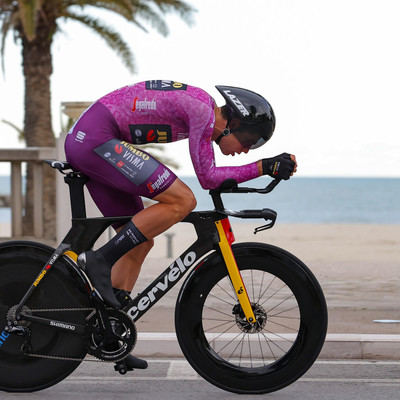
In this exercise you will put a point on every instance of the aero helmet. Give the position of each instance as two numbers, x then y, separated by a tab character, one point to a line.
255	114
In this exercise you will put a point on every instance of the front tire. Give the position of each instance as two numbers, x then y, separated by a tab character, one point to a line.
20	264
239	357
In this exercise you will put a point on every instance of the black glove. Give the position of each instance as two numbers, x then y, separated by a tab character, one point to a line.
279	167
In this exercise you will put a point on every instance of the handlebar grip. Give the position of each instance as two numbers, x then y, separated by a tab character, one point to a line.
265	213
272	185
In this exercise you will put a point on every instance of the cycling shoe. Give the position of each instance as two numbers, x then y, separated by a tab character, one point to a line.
129	364
133	362
99	273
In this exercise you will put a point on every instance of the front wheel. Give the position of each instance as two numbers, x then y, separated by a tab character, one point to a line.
235	355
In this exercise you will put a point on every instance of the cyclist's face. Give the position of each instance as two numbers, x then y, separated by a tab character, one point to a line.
230	145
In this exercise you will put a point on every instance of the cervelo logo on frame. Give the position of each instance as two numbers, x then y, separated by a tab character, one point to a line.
237	103
177	269
139	105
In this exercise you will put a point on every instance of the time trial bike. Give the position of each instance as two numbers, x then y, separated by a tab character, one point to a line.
250	317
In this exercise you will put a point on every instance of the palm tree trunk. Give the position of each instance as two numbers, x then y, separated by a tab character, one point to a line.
37	68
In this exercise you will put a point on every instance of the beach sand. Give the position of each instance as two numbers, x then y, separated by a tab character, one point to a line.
358	267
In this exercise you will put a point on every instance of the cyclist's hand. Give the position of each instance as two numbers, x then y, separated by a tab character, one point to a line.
280	167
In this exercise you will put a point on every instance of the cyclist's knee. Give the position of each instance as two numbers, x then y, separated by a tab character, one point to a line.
180	198
185	202
190	201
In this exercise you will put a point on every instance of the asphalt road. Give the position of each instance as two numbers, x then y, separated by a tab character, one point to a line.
173	379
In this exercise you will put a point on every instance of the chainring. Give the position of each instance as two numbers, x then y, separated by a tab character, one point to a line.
123	327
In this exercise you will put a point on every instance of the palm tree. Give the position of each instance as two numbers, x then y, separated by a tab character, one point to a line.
34	24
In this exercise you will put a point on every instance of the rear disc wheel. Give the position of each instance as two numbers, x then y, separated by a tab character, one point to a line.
20	264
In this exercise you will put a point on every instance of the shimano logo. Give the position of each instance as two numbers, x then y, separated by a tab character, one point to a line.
176	269
237	103
62	325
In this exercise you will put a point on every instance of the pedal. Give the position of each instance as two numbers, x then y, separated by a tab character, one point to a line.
121	367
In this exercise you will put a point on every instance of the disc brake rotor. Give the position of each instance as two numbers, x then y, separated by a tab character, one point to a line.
246	326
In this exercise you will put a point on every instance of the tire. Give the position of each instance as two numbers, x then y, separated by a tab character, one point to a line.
291	314
20	264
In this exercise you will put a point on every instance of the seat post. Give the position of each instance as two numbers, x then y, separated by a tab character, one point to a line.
76	182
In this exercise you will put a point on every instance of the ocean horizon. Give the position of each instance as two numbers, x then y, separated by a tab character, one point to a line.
302	199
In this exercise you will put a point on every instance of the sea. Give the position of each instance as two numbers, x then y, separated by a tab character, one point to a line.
302	200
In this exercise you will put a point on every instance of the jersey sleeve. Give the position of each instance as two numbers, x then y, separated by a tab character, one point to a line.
203	158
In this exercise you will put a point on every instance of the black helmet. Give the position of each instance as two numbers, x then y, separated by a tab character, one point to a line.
255	114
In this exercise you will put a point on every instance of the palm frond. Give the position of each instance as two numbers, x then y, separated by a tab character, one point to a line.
21	135
111	37
184	10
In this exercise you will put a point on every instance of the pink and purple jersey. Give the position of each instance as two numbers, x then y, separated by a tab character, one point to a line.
165	111
102	142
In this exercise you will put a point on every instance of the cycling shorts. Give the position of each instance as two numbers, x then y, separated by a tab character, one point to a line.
119	172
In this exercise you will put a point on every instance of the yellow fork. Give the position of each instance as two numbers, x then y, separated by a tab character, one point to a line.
226	238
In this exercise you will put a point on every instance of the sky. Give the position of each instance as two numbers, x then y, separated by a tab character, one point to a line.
330	69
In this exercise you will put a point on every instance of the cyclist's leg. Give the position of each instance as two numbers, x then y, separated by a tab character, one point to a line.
116	191
173	205
126	270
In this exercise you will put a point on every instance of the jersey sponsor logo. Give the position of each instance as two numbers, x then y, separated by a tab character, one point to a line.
161	181
144	105
134	164
150	133
165	85
237	103
80	136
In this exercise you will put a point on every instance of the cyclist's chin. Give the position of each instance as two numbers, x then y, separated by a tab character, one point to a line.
227	152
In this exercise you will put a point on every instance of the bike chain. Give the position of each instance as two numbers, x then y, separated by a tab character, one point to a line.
61	357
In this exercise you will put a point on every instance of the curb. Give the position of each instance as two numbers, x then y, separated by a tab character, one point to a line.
337	346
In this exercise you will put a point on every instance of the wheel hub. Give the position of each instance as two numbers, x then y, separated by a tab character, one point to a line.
244	325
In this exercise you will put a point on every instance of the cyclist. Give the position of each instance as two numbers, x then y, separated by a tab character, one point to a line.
102	145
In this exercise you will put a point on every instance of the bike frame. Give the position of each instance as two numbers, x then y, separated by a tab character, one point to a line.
213	231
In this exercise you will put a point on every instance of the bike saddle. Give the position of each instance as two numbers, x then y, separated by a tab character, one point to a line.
60	165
